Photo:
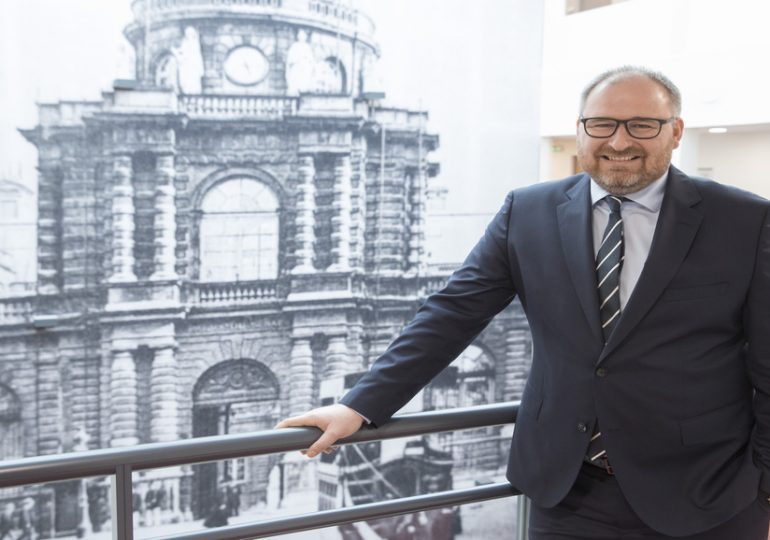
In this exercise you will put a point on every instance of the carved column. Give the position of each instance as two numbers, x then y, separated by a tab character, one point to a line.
416	243
49	228
48	374
358	212
123	418
341	217
301	377
164	398
305	216
337	358
165	219
123	221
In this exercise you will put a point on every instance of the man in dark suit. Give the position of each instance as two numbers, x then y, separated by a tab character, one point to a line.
647	410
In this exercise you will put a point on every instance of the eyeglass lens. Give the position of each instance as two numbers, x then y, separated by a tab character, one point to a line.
640	128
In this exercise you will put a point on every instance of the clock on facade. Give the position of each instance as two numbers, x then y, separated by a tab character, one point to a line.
246	66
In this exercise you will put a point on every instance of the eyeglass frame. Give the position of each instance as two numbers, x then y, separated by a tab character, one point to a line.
661	123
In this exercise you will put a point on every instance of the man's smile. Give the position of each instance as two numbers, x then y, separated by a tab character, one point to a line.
619	158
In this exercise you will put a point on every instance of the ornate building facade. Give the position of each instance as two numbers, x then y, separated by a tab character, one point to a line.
215	238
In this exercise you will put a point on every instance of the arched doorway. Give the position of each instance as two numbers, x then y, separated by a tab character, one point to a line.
236	396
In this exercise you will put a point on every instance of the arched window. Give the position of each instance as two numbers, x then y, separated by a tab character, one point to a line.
239	232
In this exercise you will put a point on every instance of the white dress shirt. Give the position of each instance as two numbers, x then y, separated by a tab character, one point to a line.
640	216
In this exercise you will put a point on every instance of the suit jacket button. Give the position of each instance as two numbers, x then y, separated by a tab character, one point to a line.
601	372
581	427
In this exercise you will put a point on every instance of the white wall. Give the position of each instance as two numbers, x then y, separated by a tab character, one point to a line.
715	51
737	158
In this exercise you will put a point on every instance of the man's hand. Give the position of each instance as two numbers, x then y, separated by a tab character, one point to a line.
336	421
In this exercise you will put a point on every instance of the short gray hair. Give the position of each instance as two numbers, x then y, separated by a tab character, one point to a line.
624	72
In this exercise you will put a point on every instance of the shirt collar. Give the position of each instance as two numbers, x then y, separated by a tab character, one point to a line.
650	197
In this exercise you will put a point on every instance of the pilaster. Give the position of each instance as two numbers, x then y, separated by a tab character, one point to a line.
49	229
337	358
301	383
123	220
416	228
340	235
164	424
49	398
305	216
165	219
123	417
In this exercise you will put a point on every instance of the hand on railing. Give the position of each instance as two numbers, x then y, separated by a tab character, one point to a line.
336	421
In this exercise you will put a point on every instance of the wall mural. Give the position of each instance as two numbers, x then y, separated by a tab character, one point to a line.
230	234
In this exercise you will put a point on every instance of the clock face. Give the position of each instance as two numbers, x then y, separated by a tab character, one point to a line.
246	66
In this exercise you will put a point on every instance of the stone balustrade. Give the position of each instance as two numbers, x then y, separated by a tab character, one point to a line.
16	310
241	292
237	106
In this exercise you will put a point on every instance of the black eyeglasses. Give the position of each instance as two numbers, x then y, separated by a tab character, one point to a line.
638	128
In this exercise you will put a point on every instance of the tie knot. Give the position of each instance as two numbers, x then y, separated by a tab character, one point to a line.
614	202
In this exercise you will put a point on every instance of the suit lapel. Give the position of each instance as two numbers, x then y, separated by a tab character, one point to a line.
677	225
574	216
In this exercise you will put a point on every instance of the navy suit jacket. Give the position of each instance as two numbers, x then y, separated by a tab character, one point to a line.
683	396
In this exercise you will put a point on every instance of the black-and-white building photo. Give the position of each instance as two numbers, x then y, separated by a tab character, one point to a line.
231	234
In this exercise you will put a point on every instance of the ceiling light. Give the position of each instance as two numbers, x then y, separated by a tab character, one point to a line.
717	130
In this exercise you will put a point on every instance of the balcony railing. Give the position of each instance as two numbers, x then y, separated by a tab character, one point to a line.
122	462
233	293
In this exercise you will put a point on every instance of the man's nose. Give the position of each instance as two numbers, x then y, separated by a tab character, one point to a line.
620	140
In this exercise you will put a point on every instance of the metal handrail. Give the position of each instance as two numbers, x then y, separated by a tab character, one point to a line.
121	462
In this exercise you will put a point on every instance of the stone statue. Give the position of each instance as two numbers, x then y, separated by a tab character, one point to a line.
300	66
190	62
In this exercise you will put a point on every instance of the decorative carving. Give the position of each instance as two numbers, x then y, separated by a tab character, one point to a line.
239	380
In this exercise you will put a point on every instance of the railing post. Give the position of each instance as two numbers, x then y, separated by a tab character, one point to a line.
122	504
522	521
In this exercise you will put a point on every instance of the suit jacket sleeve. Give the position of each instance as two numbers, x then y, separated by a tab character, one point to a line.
757	325
443	327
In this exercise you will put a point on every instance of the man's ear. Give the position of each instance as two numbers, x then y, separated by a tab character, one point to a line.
678	131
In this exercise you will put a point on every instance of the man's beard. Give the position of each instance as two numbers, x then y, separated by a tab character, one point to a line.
622	180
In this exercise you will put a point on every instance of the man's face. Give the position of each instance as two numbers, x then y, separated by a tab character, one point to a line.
622	164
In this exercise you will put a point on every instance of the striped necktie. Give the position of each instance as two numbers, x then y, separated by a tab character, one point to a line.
609	261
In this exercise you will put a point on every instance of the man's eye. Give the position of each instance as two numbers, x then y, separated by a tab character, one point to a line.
641	126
